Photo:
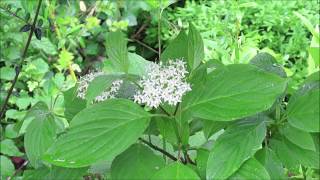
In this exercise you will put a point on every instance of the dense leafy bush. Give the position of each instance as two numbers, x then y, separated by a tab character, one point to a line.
238	30
228	96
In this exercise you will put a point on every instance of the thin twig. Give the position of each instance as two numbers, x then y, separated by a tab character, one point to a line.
159	149
176	110
18	68
159	32
187	158
19	169
168	114
13	14
145	45
142	28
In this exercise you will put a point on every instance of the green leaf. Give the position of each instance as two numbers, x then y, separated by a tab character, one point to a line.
233	92
175	171
7	167
67	173
308	25
211	127
9	148
202	159
116	47
287	150
251	169
268	63
137	162
7	73
39	173
298	137
55	173
127	89
101	131
38	33
98	85
167	130
10	131
314	52
195	48
303	111
313	77
236	145
160	4
177	48
40	133
72	103
271	162
45	45
137	64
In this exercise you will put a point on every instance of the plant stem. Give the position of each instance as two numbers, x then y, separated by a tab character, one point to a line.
145	45
159	32
19	67
176	110
18	170
165	111
159	149
160	115
13	14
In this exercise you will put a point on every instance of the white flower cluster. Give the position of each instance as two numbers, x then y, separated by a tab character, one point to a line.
163	83
107	94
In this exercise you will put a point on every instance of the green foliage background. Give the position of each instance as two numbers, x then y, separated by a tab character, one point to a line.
77	38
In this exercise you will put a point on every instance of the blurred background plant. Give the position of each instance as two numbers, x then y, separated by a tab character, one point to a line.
235	31
71	43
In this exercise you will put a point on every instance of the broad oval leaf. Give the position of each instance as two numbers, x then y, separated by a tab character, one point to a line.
236	145
55	173
116	47
233	92
268	63
195	48
40	133
99	132
202	158
303	111
7	167
175	171
72	103
39	173
177	48
60	173
25	28
9	148
38	33
298	137
251	169
313	77
286	150
137	66
137	162
271	162
98	85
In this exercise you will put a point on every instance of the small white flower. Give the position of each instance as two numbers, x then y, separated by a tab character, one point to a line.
163	83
